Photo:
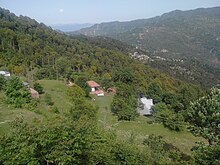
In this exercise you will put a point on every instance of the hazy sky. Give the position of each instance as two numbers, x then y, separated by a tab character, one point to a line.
96	11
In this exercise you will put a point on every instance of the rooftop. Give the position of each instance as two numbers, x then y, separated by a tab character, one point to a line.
92	84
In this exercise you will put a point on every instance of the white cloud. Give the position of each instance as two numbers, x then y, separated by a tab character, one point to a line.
61	10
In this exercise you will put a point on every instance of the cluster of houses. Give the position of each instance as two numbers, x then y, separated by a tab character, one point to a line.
145	109
34	93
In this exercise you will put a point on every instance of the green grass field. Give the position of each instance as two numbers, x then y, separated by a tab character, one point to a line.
125	130
8	114
56	89
141	128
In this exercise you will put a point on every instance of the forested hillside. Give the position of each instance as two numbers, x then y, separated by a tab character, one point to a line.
33	50
190	36
61	127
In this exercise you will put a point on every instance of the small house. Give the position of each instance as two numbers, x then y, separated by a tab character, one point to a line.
145	106
95	88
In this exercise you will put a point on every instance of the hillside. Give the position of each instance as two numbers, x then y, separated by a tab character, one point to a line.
57	89
68	125
35	51
191	36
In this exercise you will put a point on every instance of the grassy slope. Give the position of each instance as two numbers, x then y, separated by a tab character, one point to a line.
140	128
56	89
8	114
135	130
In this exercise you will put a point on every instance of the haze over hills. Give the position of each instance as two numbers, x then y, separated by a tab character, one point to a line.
192	37
70	27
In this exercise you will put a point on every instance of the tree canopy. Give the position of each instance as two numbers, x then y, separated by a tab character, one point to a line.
204	114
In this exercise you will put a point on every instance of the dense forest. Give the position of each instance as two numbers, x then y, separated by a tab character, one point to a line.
32	51
187	42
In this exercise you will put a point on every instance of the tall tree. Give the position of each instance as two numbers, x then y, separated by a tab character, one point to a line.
204	115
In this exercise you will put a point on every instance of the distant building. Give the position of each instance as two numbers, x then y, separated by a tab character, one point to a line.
95	88
145	106
5	73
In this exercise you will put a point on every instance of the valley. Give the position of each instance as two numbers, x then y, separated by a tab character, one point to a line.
171	60
191	36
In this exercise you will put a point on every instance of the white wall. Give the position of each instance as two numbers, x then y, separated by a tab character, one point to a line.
93	89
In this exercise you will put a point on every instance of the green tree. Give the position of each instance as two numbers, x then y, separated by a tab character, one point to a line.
162	152
16	94
75	93
52	143
124	108
125	154
124	75
124	103
204	116
170	119
81	80
206	155
38	88
172	100
155	91
61	65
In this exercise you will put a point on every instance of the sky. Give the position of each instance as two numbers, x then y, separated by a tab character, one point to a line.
96	11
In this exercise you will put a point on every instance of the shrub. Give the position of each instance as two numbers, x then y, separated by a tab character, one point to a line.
38	88
170	119
16	94
55	110
2	82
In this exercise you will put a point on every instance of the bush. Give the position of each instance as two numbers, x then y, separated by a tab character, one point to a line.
38	88
173	121
204	154
55	110
124	103
2	82
164	153
16	94
124	108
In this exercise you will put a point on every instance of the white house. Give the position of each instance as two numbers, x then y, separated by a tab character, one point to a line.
95	88
145	110
5	73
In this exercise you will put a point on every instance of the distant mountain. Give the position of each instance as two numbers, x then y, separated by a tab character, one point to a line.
192	37
70	27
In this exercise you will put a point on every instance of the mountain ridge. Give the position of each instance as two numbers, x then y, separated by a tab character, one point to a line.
192	36
150	34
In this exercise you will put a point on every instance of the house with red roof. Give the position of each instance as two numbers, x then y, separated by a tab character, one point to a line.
95	88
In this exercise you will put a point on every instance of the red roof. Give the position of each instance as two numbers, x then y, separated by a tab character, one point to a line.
92	84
